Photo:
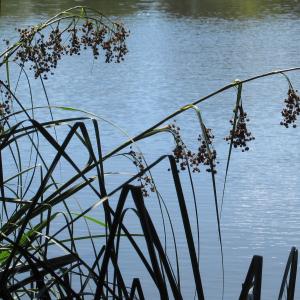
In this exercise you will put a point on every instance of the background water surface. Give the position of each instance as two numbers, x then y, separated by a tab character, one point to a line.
180	51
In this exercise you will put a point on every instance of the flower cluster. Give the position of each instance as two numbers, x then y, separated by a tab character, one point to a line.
292	109
5	105
6	42
5	102
43	53
240	136
185	157
145	180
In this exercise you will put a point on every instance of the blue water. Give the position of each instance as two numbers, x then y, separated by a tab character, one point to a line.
178	54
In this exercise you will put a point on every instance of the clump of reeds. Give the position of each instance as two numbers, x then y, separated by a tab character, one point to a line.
39	260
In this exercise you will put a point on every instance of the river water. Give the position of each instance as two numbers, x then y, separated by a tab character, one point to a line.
180	51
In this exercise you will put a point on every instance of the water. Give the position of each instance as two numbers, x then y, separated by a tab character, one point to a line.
179	52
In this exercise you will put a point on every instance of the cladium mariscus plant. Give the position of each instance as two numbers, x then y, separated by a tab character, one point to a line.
41	260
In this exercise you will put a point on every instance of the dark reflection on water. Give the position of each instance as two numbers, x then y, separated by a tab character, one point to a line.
227	9
49	7
231	8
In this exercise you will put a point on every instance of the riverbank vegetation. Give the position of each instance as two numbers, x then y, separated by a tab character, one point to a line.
50	250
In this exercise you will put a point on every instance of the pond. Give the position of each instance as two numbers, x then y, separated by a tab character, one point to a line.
180	51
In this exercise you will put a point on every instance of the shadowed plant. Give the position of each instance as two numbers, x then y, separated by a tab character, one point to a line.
46	227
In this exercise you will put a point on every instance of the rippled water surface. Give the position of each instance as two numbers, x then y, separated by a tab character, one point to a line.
180	51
